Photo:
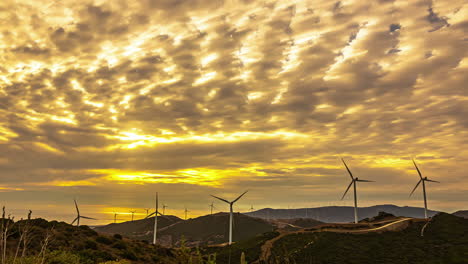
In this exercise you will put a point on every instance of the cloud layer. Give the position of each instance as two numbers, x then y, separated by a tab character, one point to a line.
113	101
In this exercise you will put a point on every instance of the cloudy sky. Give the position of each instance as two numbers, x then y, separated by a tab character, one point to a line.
111	101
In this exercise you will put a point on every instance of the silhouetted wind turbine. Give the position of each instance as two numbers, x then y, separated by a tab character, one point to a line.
133	212
251	208
79	216
147	212
115	217
212	207
423	180
353	182
186	211
230	212
164	209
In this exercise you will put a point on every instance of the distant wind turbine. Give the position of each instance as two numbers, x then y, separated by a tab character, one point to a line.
423	180
251	208
164	209
212	207
115	217
353	182
79	216
133	212
186	211
147	212
230	212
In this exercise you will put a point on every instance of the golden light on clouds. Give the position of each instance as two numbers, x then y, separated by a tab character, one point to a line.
97	96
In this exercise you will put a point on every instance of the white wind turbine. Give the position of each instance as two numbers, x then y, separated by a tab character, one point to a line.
79	216
423	180
155	213
230	212
353	182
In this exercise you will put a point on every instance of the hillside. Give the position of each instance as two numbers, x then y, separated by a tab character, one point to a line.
138	229
339	214
67	244
444	241
214	229
295	224
461	213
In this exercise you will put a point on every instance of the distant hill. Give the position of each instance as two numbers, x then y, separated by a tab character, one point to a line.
138	229
213	229
461	213
339	214
296	223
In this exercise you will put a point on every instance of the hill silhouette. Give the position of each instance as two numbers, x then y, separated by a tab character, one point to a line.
461	213
214	229
138	229
340	214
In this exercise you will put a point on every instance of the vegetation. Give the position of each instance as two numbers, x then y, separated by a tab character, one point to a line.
444	241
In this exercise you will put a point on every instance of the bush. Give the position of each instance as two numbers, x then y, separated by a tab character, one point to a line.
62	257
118	236
104	240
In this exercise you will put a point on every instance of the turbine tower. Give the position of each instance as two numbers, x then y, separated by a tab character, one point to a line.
423	180
353	182
212	207
230	212
79	216
155	220
133	212
186	211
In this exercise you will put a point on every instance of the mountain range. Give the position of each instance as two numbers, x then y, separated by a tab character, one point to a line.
340	214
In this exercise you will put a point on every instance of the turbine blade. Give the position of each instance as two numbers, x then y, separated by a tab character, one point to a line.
226	201
415	187
239	197
85	217
432	181
416	166
349	171
160	213
150	215
76	205
74	221
347	189
364	180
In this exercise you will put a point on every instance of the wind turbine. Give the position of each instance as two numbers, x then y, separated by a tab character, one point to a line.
251	208
147	212
353	182
164	209
133	212
230	212
115	217
79	216
423	180
186	211
212	207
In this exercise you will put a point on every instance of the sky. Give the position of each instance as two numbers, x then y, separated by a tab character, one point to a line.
109	102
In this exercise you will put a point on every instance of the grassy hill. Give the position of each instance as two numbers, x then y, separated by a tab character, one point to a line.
138	229
445	241
214	229
62	243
